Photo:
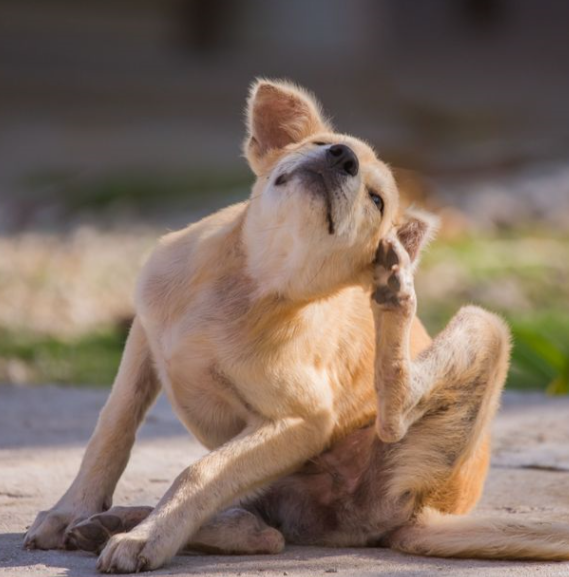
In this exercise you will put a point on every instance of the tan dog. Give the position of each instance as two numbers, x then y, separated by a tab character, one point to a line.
258	324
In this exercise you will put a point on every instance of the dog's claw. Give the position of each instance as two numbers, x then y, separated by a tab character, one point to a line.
142	564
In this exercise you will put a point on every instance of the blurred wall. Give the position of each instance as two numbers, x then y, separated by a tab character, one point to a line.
125	85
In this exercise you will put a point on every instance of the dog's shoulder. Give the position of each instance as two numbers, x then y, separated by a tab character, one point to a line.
186	261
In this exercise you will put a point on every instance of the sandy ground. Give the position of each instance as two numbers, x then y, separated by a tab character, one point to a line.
43	432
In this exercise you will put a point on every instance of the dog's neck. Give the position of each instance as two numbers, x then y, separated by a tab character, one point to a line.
279	265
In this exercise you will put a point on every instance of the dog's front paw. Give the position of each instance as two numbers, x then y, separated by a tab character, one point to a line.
50	528
393	276
131	553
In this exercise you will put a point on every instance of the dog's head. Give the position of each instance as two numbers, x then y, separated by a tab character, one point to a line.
321	202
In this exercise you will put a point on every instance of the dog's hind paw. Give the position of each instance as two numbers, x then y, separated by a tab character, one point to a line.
93	533
393	276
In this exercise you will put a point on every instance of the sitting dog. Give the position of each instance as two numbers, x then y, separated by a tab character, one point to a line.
283	331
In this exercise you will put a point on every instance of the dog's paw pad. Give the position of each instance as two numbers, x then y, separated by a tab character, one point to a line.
386	256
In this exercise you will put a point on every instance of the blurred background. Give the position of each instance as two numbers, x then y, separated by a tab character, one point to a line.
120	120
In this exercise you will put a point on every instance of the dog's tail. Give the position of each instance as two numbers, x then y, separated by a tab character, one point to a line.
439	535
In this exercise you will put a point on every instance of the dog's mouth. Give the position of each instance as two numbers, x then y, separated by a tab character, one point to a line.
315	182
325	173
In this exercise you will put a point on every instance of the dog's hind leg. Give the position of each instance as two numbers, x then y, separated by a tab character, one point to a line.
93	533
234	531
434	470
473	349
434	415
455	387
362	489
455	382
135	389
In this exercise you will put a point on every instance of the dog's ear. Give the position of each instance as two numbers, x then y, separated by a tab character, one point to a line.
278	114
415	231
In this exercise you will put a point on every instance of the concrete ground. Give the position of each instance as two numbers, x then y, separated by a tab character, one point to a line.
43	432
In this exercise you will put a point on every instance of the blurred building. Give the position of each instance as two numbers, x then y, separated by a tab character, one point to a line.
441	86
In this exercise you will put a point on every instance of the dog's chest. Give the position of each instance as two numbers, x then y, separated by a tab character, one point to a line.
205	402
223	371
218	385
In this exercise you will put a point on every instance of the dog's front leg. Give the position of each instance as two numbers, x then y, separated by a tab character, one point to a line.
263	452
135	388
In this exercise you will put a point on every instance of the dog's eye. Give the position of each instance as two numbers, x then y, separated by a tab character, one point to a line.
319	143
377	200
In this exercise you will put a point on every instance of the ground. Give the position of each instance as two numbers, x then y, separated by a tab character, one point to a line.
43	432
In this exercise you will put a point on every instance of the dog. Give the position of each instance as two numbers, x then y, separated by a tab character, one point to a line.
284	332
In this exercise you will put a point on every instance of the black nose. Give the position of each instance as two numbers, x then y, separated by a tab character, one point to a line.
343	158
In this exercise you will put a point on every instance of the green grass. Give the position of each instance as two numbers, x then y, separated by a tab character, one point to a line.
540	357
522	275
92	359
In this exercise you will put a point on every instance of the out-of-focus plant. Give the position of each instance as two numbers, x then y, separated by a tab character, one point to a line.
540	356
91	359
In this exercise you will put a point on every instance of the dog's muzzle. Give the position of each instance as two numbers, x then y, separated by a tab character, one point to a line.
334	163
